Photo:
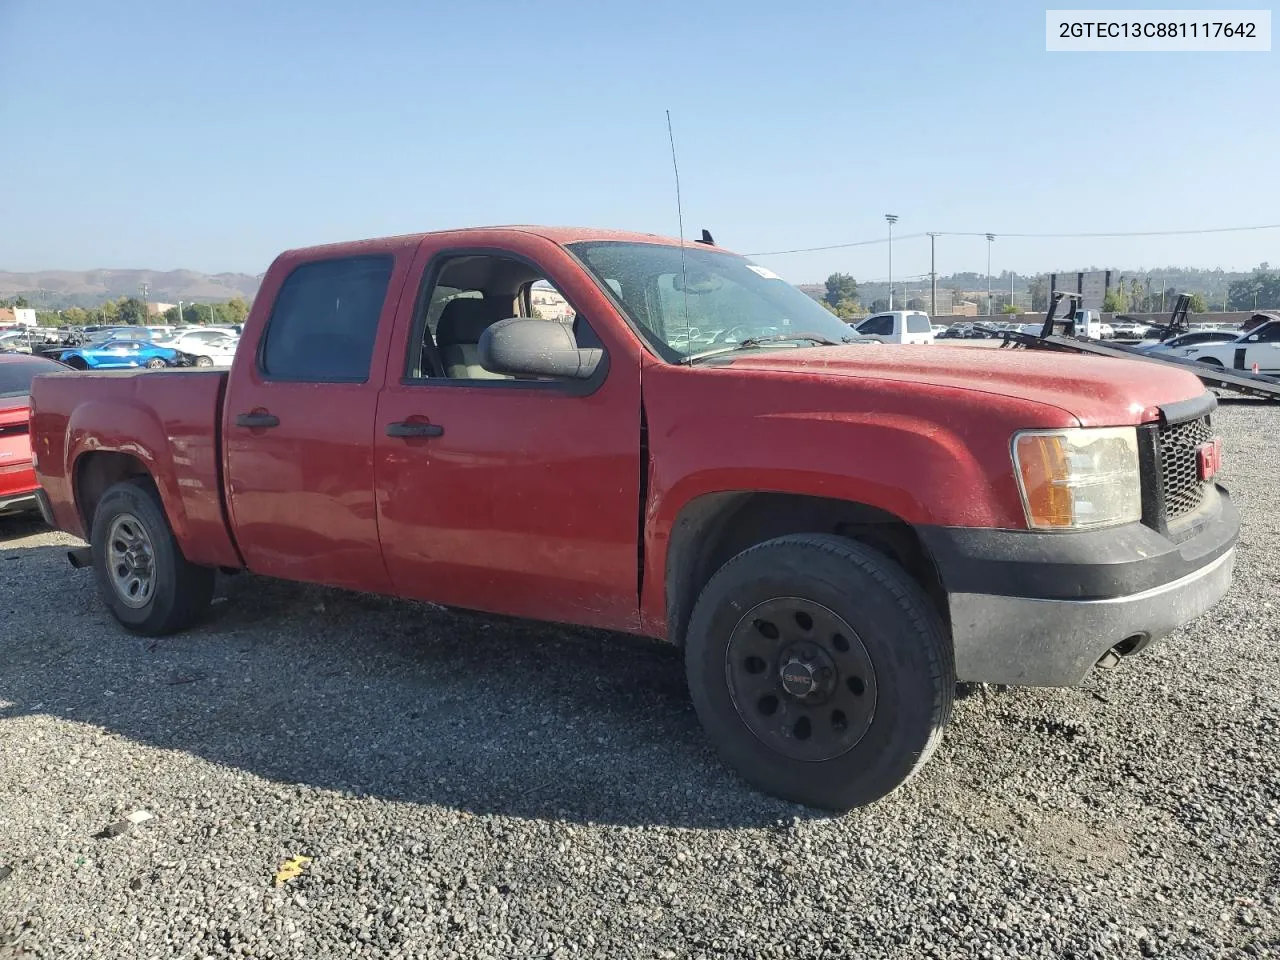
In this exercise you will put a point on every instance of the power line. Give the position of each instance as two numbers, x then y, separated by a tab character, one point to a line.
1130	233
837	246
1025	236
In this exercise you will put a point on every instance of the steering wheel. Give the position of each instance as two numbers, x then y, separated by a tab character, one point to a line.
725	336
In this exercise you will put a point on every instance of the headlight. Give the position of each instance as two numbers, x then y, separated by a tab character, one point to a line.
1078	478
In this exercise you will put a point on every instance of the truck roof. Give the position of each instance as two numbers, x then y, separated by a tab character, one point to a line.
559	235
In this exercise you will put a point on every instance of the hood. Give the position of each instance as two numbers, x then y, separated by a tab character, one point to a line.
1097	391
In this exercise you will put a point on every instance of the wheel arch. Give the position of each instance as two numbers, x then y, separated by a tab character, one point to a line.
96	471
713	528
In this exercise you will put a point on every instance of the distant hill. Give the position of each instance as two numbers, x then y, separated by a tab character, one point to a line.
58	289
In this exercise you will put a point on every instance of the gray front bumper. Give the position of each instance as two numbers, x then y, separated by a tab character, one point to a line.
1055	643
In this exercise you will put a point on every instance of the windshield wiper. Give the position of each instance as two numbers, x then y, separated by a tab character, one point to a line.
752	342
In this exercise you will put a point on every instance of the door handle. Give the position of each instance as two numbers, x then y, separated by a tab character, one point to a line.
257	420
407	428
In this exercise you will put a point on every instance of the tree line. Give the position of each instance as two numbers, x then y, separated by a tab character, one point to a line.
1258	290
131	311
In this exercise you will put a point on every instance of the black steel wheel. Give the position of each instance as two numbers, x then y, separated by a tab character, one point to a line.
801	678
820	670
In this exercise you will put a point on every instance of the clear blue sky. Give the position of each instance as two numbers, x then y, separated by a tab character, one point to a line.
211	135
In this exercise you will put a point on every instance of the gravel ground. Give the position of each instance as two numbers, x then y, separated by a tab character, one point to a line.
469	787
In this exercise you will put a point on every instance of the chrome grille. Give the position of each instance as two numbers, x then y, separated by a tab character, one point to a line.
1179	473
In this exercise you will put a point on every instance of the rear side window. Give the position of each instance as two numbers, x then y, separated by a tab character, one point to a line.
325	320
918	323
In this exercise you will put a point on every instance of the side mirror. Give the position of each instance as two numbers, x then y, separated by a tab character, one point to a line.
524	346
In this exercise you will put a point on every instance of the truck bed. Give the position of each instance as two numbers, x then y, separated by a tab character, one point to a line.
170	421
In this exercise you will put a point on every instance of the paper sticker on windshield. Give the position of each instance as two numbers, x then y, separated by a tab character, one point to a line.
763	271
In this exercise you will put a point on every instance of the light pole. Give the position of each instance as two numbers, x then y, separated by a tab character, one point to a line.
892	218
990	240
933	274
179	313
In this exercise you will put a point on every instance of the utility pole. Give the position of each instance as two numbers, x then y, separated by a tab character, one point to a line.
179	312
933	275
144	288
892	218
1162	296
990	240
1011	276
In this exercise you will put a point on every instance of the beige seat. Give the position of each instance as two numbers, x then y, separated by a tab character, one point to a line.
458	335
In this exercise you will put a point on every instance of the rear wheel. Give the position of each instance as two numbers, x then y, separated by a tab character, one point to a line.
155	363
820	670
142	575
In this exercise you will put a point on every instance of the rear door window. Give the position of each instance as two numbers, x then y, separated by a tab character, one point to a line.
325	320
918	323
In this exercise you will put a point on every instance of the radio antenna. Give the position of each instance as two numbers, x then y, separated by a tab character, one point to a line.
684	271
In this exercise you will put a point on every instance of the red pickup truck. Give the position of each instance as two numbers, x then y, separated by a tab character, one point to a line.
633	433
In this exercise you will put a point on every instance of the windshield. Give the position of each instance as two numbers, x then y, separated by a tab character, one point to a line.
728	299
15	375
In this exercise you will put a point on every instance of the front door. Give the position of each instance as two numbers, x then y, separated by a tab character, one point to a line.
1261	348
513	496
298	424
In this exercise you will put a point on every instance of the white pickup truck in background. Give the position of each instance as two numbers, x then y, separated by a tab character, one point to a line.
896	326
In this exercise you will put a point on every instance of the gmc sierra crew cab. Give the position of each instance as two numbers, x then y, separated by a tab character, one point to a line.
675	443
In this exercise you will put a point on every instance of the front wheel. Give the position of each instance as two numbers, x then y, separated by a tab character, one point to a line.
820	670
204	362
142	575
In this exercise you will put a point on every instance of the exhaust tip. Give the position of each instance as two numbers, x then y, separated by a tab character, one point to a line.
80	558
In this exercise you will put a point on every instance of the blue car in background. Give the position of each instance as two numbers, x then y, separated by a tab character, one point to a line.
121	354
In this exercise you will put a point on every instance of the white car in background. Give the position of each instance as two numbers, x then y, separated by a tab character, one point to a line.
1183	344
1259	347
190	341
213	353
896	326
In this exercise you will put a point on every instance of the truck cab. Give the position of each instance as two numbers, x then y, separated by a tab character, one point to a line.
896	326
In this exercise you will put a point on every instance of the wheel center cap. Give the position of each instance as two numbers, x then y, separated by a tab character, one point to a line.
798	678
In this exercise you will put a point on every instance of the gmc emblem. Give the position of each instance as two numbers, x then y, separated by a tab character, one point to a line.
1209	459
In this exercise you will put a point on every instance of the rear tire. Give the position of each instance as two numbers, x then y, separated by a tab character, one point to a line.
820	670
142	575
155	363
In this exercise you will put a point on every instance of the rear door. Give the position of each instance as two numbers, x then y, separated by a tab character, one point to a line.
299	414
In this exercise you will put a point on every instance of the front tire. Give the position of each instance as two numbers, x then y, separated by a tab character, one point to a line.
820	670
142	575
204	362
